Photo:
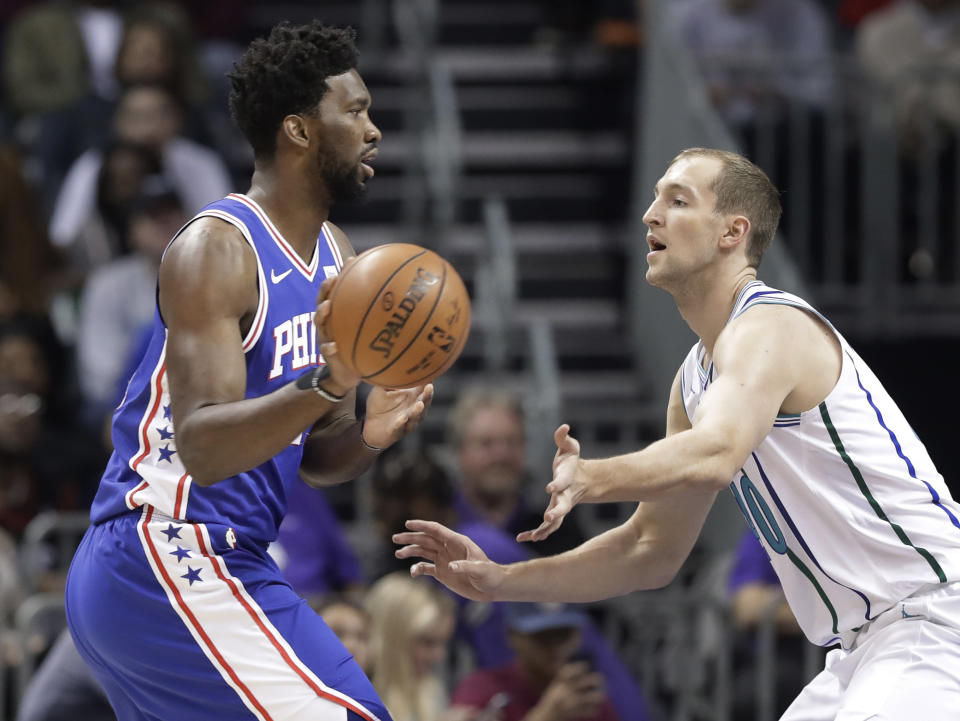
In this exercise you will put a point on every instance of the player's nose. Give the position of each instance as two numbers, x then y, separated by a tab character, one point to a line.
372	134
652	215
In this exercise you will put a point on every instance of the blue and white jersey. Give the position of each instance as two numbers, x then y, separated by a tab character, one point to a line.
844	497
145	468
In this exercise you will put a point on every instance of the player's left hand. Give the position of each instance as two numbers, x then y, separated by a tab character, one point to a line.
566	489
390	415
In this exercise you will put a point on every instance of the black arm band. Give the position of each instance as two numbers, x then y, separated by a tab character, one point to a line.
311	381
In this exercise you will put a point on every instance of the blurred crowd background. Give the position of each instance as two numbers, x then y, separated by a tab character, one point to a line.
521	140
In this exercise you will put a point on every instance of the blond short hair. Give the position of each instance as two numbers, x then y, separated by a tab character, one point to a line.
743	188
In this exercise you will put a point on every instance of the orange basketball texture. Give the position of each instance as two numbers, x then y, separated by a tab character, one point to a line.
400	315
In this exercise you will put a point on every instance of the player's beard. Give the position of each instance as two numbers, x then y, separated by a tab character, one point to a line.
343	180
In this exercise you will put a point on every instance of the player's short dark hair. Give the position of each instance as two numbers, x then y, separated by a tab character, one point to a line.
285	73
742	187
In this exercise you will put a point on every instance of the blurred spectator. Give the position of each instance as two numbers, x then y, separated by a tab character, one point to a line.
27	260
44	461
545	682
311	549
411	626
157	48
911	52
57	51
119	298
486	434
757	598
148	116
757	53
98	213
409	484
351	622
851	12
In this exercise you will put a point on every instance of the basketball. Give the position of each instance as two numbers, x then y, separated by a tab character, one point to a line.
400	315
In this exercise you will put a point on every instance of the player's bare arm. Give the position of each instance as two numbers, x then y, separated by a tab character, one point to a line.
208	294
340	447
771	358
645	552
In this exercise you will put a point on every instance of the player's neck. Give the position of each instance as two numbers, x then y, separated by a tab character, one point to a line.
298	214
707	310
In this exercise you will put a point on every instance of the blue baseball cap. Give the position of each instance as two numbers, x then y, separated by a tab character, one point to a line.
536	617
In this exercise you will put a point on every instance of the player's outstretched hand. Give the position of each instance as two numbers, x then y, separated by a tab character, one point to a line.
390	415
566	489
451	558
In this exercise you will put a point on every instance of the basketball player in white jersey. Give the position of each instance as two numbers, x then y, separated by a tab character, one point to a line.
773	403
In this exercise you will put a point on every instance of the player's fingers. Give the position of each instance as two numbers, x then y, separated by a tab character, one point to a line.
543	530
525	536
417	539
558	511
323	311
423	569
426	395
329	349
432	529
326	288
415	552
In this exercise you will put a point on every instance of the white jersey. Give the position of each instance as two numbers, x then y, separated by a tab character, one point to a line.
844	497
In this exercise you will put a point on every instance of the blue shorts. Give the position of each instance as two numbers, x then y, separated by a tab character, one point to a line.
183	620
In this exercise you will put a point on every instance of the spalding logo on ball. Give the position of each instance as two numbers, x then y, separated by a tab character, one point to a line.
400	315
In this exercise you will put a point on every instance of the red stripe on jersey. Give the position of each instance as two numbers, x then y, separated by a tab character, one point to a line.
132	504
216	562
193	619
181	484
151	415
255	335
334	248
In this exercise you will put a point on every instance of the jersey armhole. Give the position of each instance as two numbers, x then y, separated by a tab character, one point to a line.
263	298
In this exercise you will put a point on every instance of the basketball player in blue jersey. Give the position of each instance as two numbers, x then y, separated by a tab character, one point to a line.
773	403
172	598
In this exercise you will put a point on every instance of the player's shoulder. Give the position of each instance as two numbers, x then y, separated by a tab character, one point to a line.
774	326
209	252
209	235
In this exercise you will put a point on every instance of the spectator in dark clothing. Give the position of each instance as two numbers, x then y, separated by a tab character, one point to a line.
545	682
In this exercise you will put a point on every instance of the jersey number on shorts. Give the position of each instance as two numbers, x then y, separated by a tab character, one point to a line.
758	514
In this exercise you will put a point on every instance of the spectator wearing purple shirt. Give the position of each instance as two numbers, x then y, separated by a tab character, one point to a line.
487	436
311	548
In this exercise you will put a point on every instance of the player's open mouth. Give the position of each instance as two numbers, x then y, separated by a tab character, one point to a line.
655	244
365	163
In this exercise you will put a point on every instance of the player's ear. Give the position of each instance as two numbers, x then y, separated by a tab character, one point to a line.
295	130
735	232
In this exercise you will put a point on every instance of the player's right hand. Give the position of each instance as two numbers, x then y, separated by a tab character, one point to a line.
342	377
452	558
566	489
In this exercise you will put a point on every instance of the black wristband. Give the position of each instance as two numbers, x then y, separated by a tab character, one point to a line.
311	381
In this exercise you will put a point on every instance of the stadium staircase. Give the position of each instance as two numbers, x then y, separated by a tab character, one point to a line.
542	132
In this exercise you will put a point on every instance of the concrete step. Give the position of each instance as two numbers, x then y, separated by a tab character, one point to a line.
553	149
